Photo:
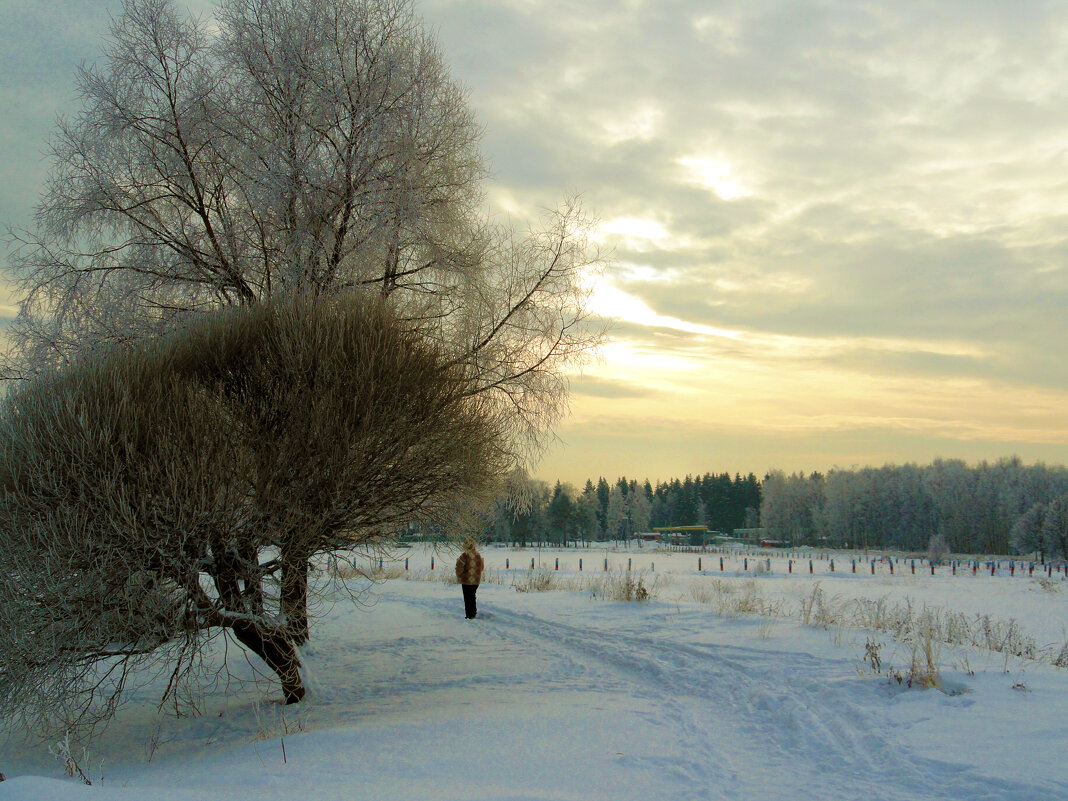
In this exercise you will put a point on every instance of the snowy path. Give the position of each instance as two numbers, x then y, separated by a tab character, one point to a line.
555	696
746	722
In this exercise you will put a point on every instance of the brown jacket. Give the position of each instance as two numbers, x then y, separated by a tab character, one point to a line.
469	566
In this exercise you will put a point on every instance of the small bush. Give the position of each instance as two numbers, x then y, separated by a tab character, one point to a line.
923	667
541	580
625	586
873	656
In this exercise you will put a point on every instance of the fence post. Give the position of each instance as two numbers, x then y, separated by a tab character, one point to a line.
507	564
431	562
557	565
628	563
405	562
532	563
745	563
914	567
580	565
721	564
809	565
789	565
698	564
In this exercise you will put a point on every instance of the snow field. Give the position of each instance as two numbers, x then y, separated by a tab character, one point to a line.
1034	605
564	695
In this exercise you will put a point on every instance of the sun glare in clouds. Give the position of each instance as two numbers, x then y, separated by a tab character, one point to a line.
715	174
633	228
608	300
643	123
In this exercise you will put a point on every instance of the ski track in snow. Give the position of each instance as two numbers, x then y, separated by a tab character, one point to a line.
726	704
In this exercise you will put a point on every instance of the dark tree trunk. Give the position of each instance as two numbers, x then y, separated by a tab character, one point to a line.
279	654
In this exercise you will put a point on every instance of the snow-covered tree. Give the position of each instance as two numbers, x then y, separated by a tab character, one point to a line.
1055	527
639	507
293	147
791	505
937	549
1027	533
616	514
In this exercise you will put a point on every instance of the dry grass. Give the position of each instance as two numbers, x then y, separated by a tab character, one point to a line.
733	598
625	585
923	629
618	585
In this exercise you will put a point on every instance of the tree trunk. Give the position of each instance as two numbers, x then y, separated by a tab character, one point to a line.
279	654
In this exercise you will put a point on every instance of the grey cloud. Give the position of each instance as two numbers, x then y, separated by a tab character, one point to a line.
902	160
607	388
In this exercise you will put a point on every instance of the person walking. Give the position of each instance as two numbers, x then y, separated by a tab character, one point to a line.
469	573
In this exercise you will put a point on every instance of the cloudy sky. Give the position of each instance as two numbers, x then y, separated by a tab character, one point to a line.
838	229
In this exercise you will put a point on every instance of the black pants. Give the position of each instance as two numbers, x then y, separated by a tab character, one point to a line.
470	610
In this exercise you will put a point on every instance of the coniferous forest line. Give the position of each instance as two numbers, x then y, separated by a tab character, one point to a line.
603	510
991	507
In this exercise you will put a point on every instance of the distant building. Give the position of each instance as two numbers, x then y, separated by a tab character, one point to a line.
754	536
679	534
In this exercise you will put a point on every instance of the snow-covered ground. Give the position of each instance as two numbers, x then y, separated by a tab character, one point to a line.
563	695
